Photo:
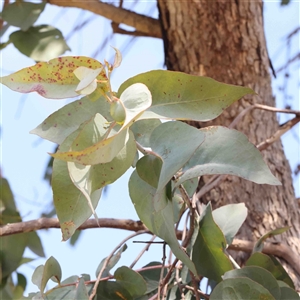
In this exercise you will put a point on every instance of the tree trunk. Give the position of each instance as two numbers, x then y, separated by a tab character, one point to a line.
225	40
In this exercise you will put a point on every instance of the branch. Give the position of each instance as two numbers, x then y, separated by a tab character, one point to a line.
143	24
46	223
279	250
281	131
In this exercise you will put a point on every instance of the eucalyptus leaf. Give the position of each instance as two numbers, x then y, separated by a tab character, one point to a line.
182	96
158	217
54	79
41	43
240	289
227	151
259	245
208	250
230	218
259	275
22	14
271	264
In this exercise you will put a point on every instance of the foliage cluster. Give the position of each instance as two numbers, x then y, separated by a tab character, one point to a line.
103	134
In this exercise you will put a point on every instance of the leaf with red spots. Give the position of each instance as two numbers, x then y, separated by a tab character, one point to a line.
182	96
54	79
63	122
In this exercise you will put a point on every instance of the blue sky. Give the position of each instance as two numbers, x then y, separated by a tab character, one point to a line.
24	156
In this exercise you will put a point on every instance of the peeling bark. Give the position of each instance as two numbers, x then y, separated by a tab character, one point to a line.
225	40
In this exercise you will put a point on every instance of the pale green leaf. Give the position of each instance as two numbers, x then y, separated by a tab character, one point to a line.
118	58
81	291
230	218
175	143
112	262
142	130
259	245
40	43
63	122
87	78
208	250
259	275
240	289
22	14
54	79
160	222
186	97
227	151
136	99
51	269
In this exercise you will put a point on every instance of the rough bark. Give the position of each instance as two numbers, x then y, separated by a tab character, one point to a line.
225	40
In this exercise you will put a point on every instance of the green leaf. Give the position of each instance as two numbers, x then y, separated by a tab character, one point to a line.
34	244
22	14
259	275
288	293
142	130
66	120
71	205
227	151
74	238
51	269
271	264
186	97
175	143
11	247
54	79
240	289
285	2
101	150
112	262
131	280
40	43
110	290
230	218
158	217
259	245
208	251
149	162
81	291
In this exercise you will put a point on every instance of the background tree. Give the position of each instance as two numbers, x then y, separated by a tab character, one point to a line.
225	41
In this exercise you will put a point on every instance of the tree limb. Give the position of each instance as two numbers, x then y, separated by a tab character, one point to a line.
143	24
278	249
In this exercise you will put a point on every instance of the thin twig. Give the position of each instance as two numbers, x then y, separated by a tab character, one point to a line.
94	291
168	276
205	296
162	270
142	252
195	285
281	131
